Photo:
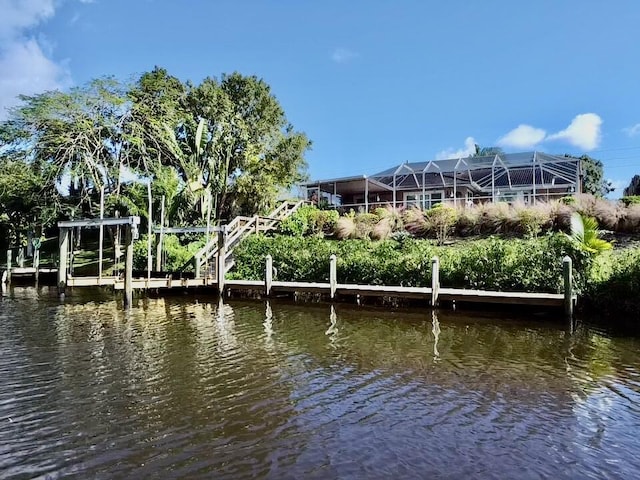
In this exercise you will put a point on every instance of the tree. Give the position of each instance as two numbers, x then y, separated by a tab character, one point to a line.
228	139
593	180
634	187
487	151
80	136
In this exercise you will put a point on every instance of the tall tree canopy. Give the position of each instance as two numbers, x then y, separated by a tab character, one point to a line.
486	151
226	138
223	145
593	180
634	187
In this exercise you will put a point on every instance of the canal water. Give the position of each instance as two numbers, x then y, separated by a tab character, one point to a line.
186	387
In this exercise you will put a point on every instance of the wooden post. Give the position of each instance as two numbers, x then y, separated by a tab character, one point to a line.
435	280
222	254
257	219
268	275
160	238
36	262
20	258
149	233
63	243
128	266
9	256
196	265
567	273
101	233
333	275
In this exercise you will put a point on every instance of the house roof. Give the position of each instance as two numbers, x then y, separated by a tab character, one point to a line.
507	170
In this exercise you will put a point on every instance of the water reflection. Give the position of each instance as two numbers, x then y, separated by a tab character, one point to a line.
179	387
332	331
436	334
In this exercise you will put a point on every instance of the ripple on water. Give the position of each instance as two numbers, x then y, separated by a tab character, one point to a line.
179	388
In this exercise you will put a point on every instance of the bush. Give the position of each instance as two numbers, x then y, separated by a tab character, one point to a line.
631	200
440	221
176	254
495	264
613	289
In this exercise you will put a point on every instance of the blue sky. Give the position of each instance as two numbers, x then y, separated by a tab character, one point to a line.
373	83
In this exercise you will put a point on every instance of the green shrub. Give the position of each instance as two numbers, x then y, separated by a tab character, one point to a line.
631	200
440	221
613	288
495	264
310	220
176	255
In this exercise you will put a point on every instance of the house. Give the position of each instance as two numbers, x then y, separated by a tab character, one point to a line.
527	177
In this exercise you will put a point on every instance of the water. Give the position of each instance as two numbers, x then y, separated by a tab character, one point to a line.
187	388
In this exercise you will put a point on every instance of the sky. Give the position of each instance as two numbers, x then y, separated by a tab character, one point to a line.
373	83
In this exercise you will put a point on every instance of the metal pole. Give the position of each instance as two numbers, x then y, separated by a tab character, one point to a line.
534	178
222	254
149	233
493	184
455	190
101	235
128	267
366	195
159	247
394	190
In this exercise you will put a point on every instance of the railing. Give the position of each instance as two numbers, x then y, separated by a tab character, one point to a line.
237	230
506	197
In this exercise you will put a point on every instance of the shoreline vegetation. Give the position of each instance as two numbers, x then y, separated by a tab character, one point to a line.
491	246
195	153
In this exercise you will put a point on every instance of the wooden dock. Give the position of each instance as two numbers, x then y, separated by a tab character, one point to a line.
220	256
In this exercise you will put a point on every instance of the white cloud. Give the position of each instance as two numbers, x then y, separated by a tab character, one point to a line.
19	15
25	61
343	55
468	149
633	130
523	136
584	131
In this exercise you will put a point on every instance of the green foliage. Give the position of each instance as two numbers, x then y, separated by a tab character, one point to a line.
441	220
585	234
519	265
309	220
614	288
634	187
631	200
531	220
176	254
593	181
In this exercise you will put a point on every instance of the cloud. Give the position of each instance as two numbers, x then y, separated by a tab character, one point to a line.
468	149
633	130
25	61
583	132
343	55
523	136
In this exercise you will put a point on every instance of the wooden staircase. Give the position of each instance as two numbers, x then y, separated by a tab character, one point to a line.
239	228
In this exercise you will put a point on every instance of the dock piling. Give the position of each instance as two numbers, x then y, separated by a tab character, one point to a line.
222	255
9	258
63	243
435	280
268	275
128	267
333	275
567	273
